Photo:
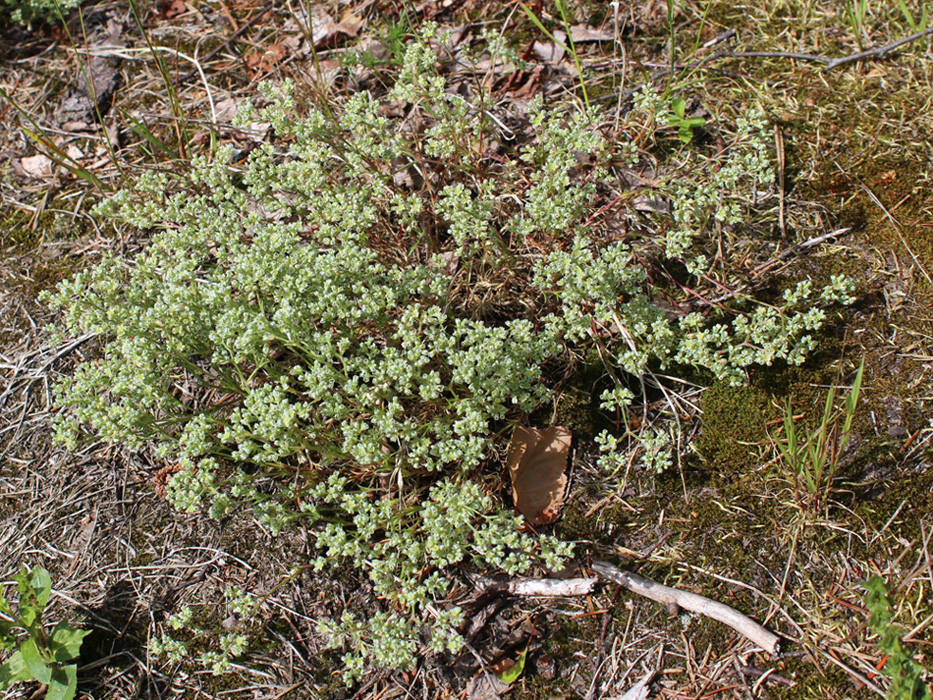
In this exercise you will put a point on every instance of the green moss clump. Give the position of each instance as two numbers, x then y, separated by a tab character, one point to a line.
734	420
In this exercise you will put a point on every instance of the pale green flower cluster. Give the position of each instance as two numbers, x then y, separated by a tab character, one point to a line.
553	203
458	524
267	342
604	288
656	450
725	186
612	458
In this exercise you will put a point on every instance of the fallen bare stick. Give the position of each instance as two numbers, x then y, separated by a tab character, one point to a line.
690	601
545	587
828	63
879	52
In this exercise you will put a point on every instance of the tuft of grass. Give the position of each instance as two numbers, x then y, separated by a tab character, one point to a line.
813	459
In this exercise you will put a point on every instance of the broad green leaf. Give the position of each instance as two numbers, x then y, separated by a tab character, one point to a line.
5	627
34	661
65	642
41	583
679	107
63	684
29	615
13	670
510	675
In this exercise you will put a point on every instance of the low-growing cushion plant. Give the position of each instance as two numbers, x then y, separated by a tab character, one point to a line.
336	330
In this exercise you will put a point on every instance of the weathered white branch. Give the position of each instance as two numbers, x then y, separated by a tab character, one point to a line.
745	626
543	587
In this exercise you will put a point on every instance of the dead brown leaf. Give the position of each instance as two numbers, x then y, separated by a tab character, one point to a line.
522	84
259	64
486	687
537	463
584	32
172	9
551	51
325	31
39	165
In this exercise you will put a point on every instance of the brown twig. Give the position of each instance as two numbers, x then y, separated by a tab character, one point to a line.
742	624
828	63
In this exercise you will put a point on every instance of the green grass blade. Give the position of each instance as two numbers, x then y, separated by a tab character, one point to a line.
908	15
144	132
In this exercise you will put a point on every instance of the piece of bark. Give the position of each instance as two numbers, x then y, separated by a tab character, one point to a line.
745	626
98	81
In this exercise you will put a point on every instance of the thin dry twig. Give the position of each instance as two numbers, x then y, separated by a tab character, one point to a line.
720	612
879	52
828	63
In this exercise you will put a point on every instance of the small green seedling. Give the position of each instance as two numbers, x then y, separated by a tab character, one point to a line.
685	125
44	654
511	674
906	674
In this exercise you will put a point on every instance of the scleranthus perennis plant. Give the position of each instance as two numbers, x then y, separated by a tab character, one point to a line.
293	350
303	337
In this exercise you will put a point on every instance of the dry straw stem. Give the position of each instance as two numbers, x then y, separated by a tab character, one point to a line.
745	626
